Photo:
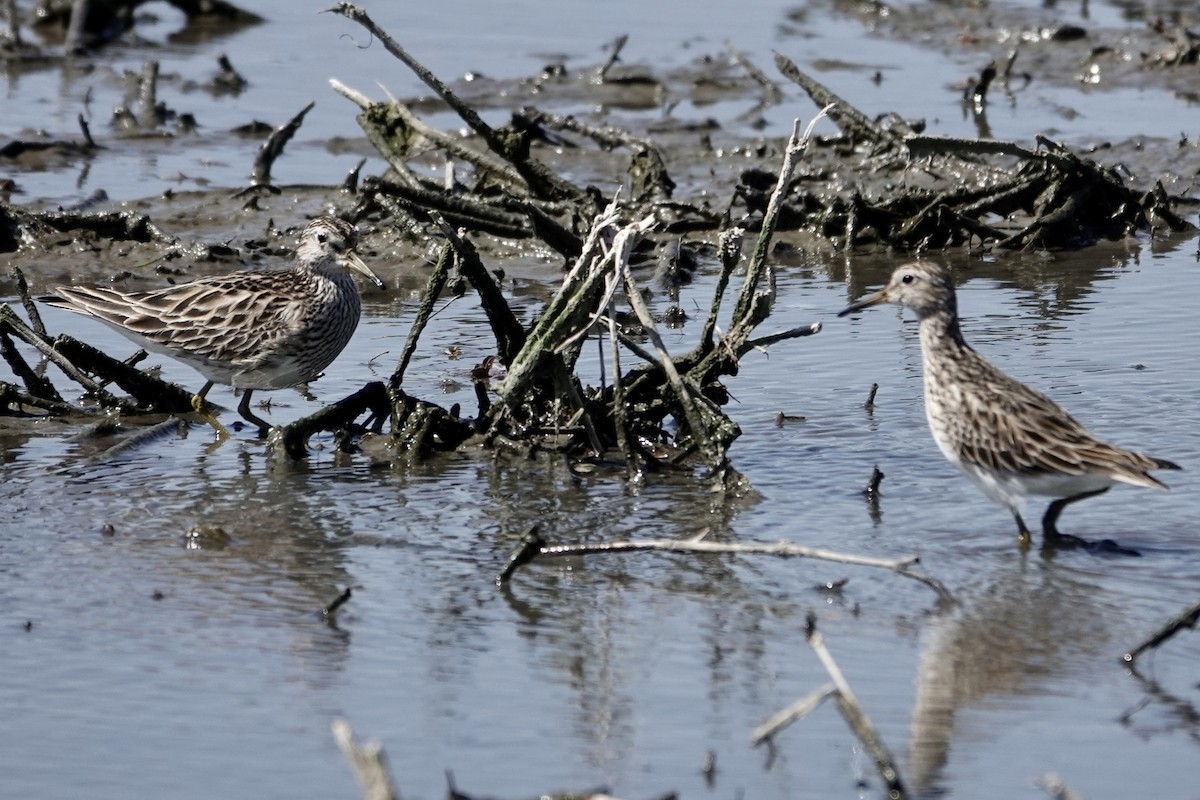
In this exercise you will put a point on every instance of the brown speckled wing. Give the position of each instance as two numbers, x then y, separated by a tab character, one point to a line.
230	318
1035	434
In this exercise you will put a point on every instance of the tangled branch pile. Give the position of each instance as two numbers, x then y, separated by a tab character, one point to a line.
666	410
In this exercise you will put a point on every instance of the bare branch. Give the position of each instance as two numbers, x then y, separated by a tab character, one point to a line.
1187	619
901	566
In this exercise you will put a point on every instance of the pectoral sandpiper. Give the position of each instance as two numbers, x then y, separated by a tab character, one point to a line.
1010	440
248	330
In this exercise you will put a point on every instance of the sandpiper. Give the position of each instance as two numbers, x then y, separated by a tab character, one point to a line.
248	330
1010	440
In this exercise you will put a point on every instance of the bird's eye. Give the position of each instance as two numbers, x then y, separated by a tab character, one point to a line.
908	279
322	238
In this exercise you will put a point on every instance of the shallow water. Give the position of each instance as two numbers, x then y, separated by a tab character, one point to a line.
180	652
186	671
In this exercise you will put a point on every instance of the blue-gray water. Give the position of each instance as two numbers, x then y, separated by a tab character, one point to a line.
155	668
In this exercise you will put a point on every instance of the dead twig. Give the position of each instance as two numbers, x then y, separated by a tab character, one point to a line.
38	386
852	121
510	335
613	57
772	92
31	309
331	608
336	417
543	181
1186	620
274	145
537	548
433	288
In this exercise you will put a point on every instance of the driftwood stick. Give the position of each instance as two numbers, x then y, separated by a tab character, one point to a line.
468	114
796	711
433	288
791	333
368	762
773	94
12	30
796	147
274	145
37	385
620	413
151	393
17	327
782	549
10	395
613	57
924	146
373	397
729	251
713	455
510	335
455	147
148	95
350	182
1057	788
420	202
451	144
754	300
567	313
855	717
607	136
333	605
541	179
844	115
566	385
635	347
1188	619
31	309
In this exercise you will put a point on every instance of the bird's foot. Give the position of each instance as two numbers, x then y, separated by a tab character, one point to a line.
1105	547
262	429
201	407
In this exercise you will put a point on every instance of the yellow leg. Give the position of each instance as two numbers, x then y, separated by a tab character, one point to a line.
200	406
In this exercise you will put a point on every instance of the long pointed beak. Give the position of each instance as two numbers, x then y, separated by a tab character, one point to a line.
868	301
351	260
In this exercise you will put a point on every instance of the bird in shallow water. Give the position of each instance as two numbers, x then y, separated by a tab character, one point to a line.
248	330
1010	440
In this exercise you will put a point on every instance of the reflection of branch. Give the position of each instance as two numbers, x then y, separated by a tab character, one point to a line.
1187	619
797	710
851	710
534	546
1054	786
1183	711
367	761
